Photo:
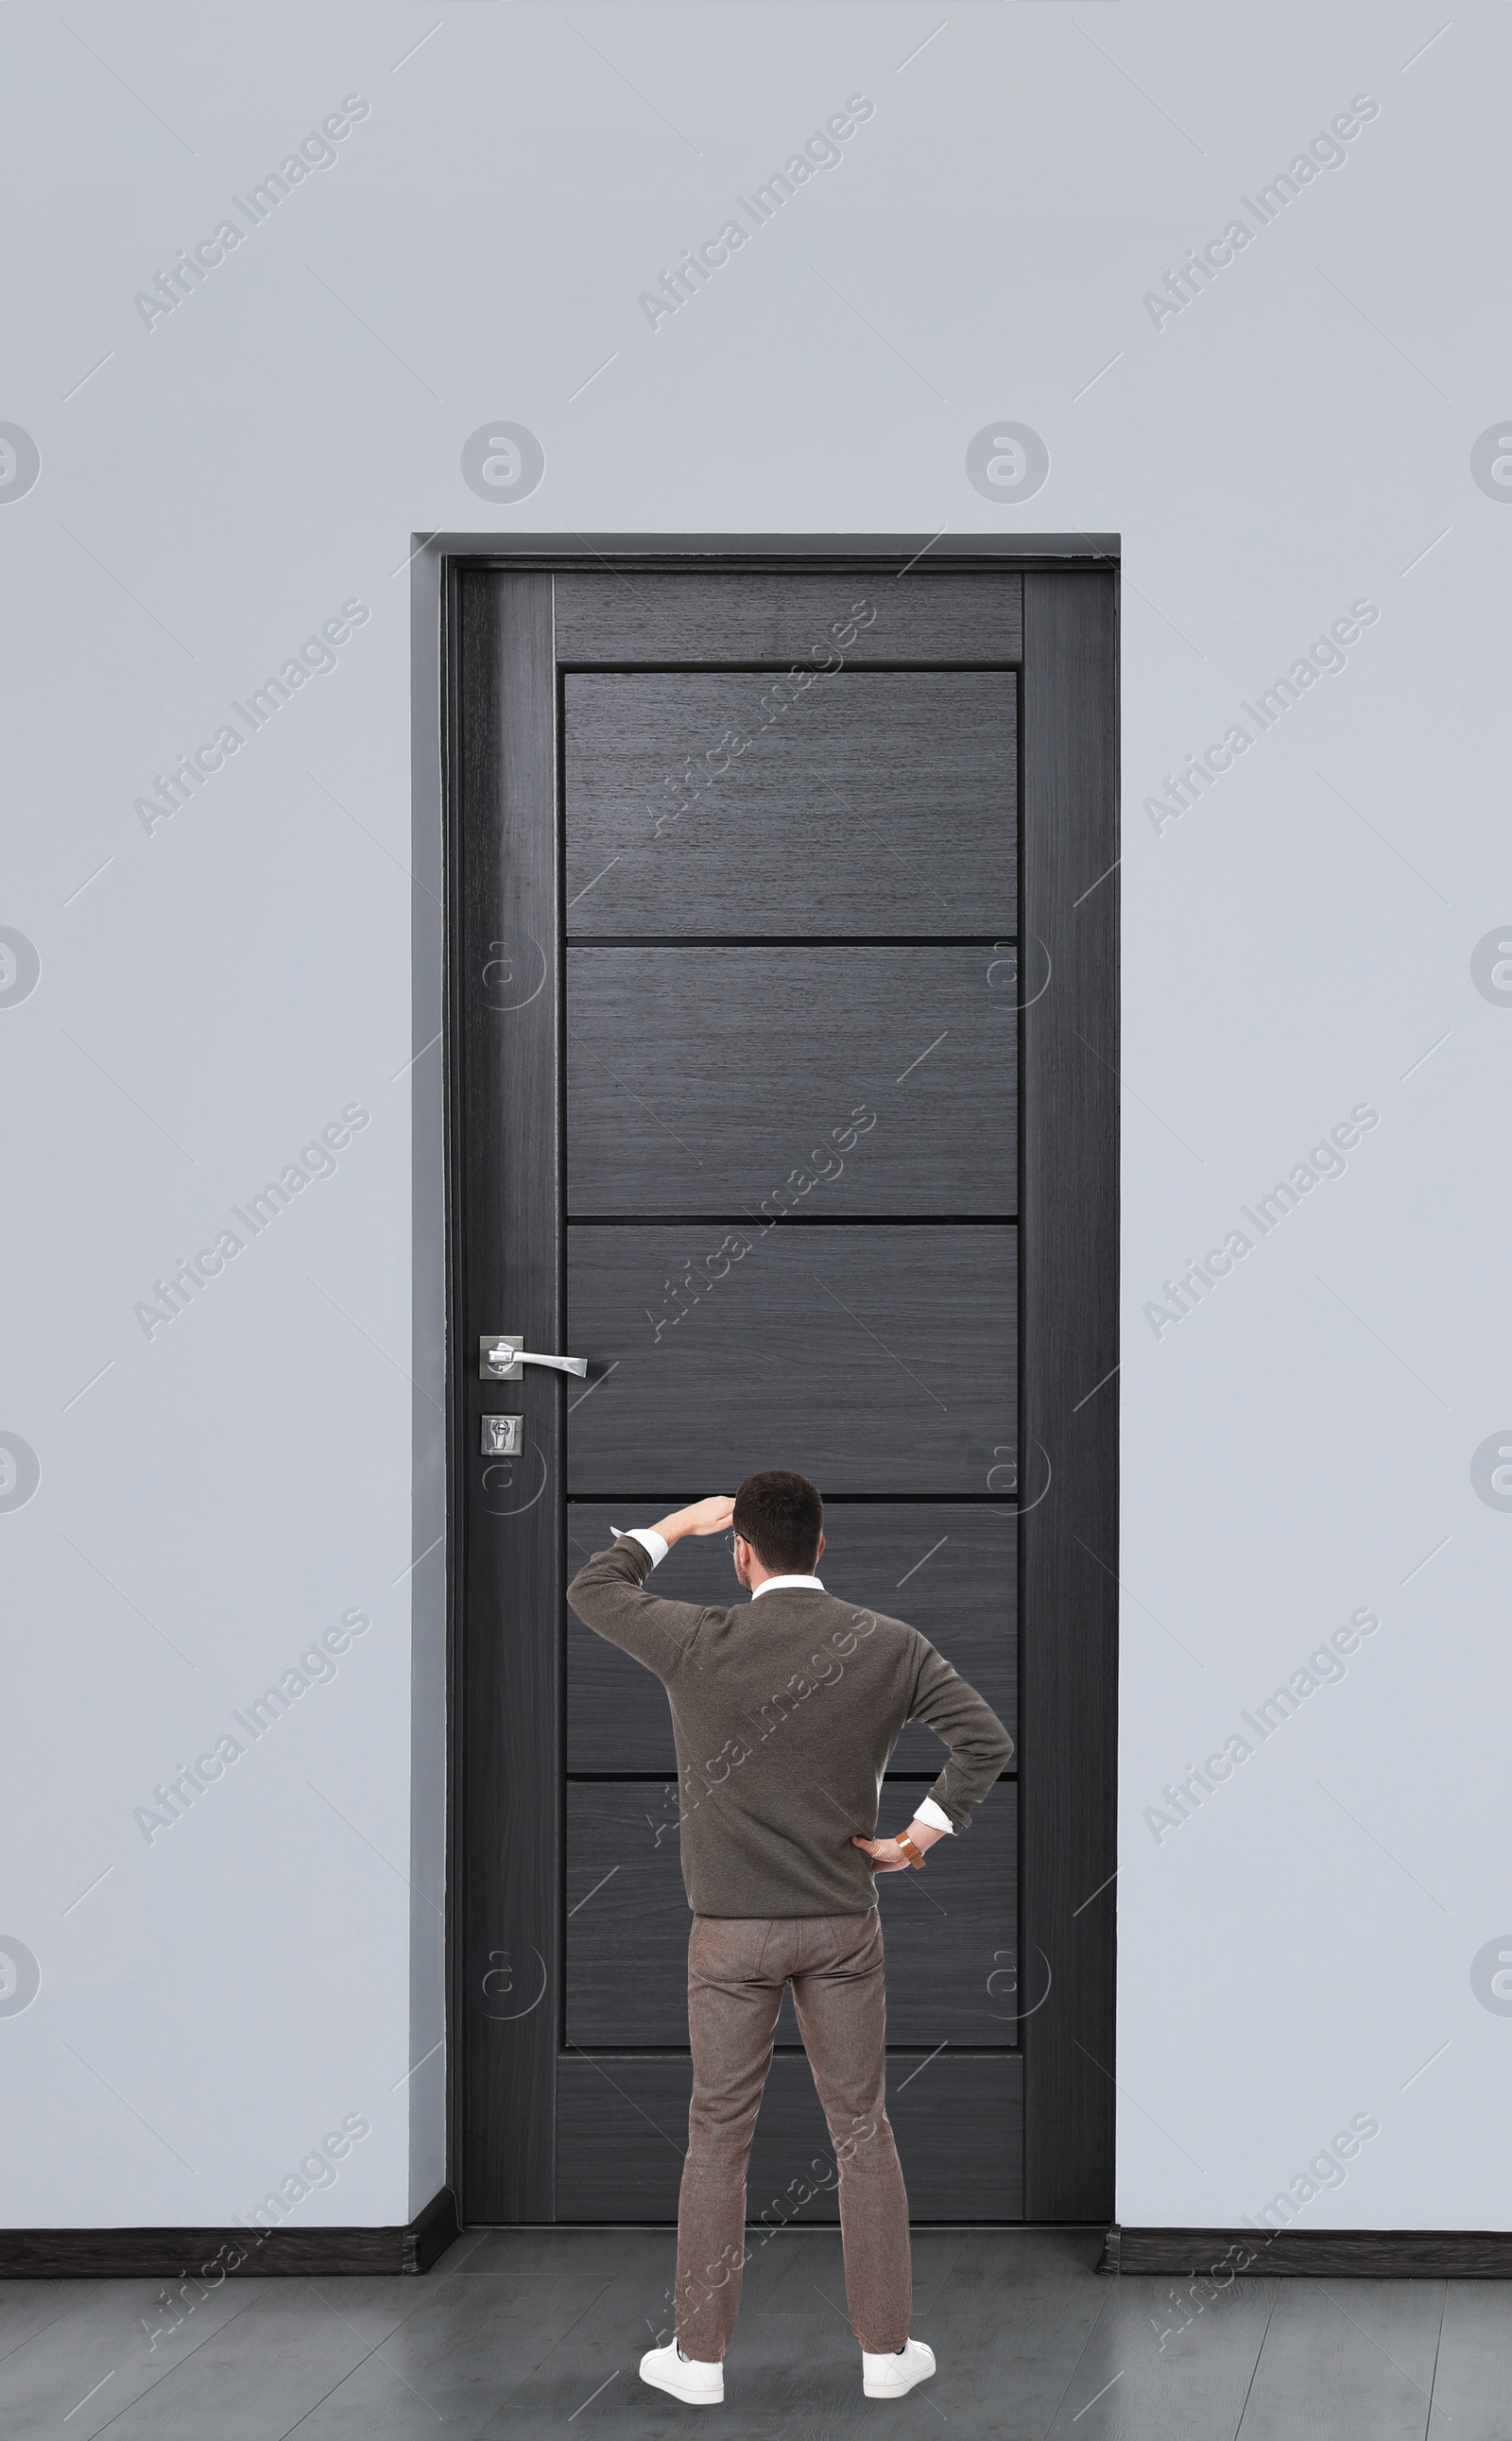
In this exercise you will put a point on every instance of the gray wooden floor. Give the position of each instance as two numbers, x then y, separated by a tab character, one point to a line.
525	2333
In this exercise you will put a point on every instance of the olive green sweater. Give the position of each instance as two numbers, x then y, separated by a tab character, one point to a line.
785	1713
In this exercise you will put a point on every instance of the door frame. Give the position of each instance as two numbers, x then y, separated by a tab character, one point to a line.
1067	1243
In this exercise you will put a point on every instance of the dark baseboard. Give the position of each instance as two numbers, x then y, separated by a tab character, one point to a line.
431	2232
1320	2253
213	2254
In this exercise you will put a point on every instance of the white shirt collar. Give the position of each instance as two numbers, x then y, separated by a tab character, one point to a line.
777	1585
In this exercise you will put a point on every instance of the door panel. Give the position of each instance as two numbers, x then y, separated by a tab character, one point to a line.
824	907
950	1941
879	802
948	1568
872	1359
715	1080
958	2119
752	617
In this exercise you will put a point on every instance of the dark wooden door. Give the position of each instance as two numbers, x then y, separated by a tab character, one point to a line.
738	1002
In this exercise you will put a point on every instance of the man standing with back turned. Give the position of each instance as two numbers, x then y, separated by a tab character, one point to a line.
785	1713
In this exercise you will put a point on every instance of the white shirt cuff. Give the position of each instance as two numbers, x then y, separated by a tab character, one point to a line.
648	1538
936	1817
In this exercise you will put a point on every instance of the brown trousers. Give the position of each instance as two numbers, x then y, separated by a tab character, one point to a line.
737	1966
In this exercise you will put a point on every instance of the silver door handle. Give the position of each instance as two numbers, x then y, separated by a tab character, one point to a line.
501	1358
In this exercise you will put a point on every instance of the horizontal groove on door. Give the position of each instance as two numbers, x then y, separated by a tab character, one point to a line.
707	616
870	1360
941	940
838	815
1006	1501
905	1781
800	1219
950	1932
750	665
951	1572
899	2054
622	2121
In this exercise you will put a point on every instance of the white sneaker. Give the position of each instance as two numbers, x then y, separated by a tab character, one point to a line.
891	2377
701	2385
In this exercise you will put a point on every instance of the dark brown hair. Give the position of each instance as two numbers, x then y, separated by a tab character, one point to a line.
781	1517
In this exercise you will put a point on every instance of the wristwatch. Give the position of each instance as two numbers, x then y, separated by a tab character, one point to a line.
914	1855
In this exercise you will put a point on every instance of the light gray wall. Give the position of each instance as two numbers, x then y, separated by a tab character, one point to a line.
214	992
